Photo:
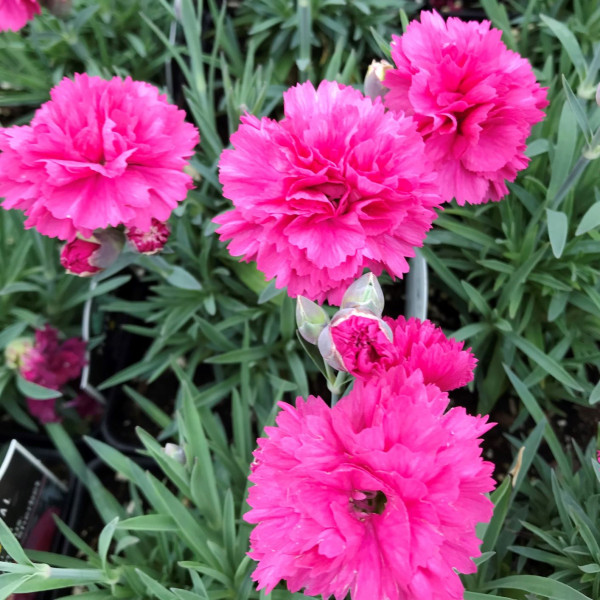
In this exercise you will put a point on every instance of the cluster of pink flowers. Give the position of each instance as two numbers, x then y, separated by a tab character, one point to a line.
341	184
99	155
378	496
51	364
365	346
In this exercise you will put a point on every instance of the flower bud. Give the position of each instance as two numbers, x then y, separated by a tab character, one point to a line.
175	452
357	341
311	319
86	257
149	242
366	294
598	95
16	350
374	78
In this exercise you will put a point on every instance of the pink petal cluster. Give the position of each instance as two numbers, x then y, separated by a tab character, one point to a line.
98	154
337	186
151	241
14	14
51	364
77	257
378	496
85	406
423	346
362	344
473	99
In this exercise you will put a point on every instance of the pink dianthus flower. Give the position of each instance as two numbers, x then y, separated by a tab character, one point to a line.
51	363
421	345
378	496
358	342
98	154
473	99
337	186
151	241
14	14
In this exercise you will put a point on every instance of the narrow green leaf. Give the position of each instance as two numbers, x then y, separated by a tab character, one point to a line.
240	355
534	409
35	391
499	17
545	362
106	536
534	584
10	333
578	111
595	395
155	588
569	43
180	278
558	226
476	298
591	218
150	408
500	498
10	583
11	546
149	522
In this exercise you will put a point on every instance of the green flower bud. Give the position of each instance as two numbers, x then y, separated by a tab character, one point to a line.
365	293
311	319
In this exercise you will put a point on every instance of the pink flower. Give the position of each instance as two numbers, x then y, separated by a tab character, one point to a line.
98	154
14	14
473	99
358	342
85	406
50	363
421	345
77	257
151	241
337	186
88	257
378	496
44	410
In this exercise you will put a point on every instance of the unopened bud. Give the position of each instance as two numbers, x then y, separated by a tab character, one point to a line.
86	257
175	452
598	95
311	319
374	78
16	350
151	241
366	294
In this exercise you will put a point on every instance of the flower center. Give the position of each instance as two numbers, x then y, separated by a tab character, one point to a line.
369	502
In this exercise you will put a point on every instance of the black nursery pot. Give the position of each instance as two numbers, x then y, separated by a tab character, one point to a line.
83	517
10	430
120	350
123	415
